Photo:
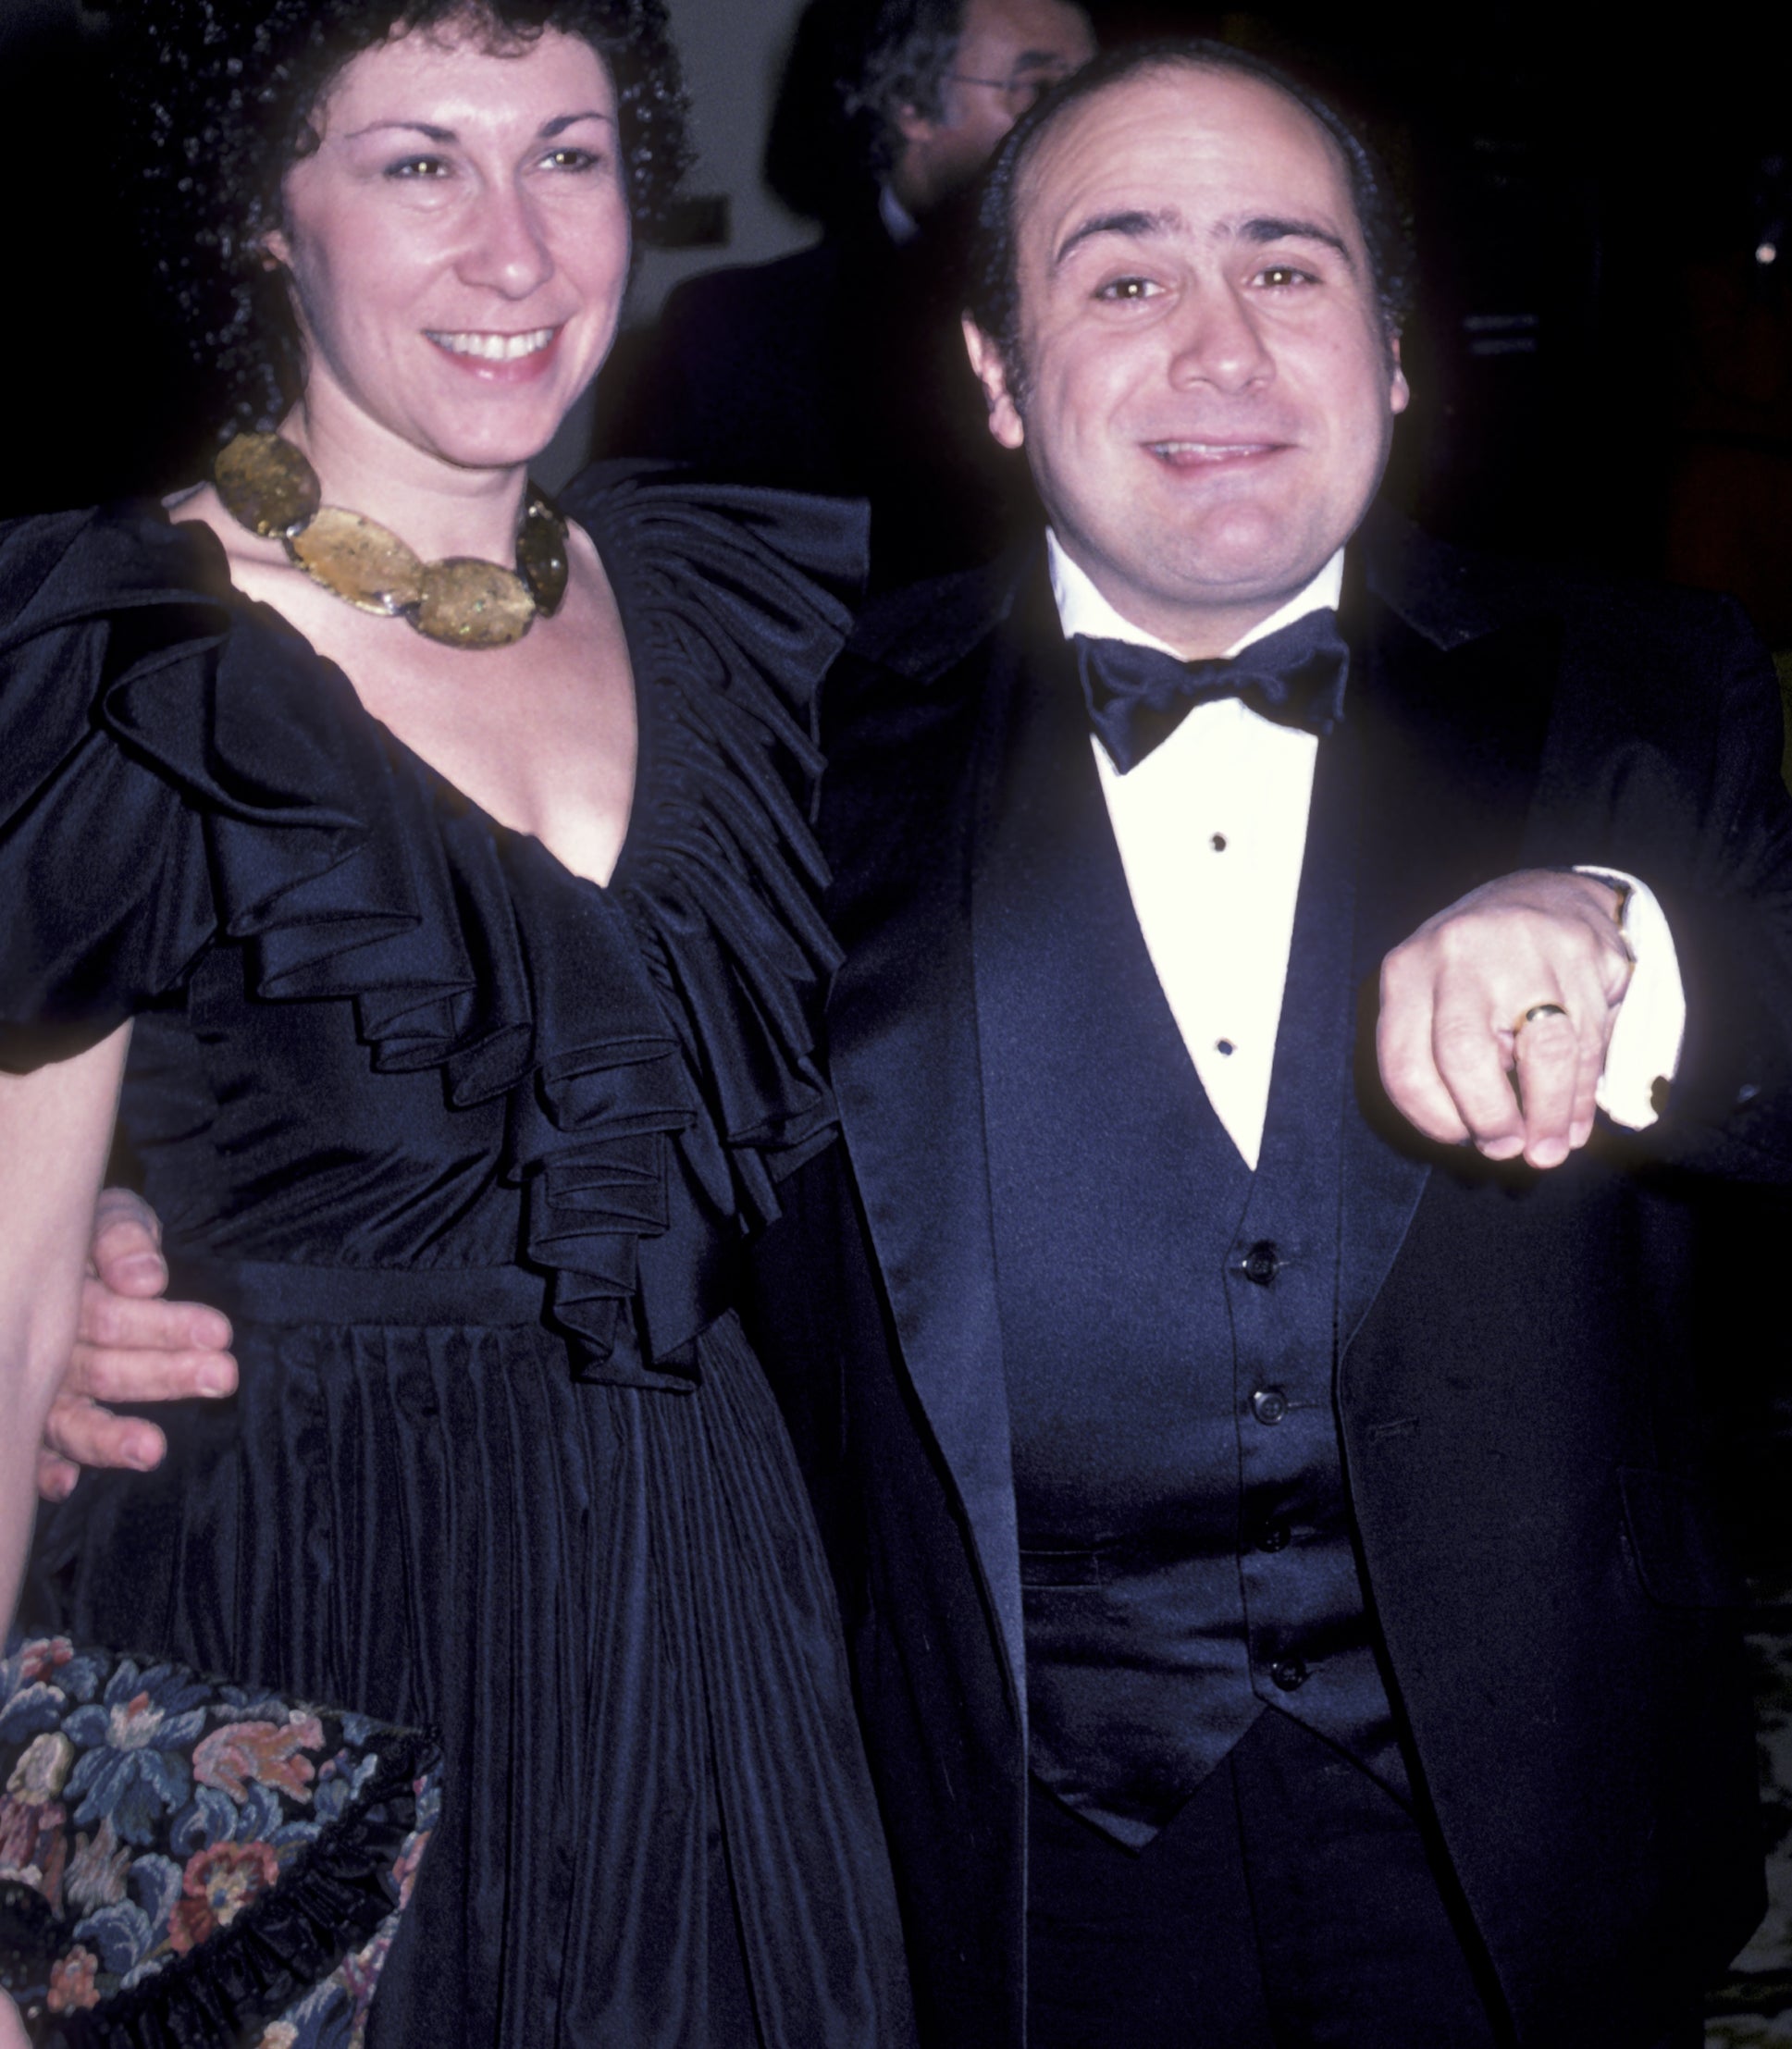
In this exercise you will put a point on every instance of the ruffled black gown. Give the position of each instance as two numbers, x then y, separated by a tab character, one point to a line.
465	1144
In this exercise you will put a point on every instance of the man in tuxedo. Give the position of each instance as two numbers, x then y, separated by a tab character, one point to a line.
840	368
1251	1395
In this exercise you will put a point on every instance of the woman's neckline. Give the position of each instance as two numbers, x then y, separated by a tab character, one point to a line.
270	617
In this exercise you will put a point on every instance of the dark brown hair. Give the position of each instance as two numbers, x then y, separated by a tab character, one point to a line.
220	95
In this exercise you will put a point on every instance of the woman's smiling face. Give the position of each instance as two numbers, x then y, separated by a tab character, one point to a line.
457	242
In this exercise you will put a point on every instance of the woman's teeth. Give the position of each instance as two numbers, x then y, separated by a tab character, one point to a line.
494	348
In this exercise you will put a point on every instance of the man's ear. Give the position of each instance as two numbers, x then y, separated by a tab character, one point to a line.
1005	421
276	252
913	125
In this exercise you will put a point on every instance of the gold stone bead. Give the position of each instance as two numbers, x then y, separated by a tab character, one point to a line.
470	603
360	561
267	484
541	557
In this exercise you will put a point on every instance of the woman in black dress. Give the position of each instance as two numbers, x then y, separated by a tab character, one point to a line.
448	927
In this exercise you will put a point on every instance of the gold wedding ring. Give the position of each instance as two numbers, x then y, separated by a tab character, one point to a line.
1539	1010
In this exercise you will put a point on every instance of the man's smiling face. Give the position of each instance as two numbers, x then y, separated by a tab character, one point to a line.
1210	390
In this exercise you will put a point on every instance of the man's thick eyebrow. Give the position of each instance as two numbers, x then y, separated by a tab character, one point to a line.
1268	229
1134	222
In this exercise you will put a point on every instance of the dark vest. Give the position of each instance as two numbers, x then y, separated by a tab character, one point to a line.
1169	1318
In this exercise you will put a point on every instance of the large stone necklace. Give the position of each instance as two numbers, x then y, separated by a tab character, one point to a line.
269	486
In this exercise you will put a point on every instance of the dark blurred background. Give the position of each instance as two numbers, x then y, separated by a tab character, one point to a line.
1601	361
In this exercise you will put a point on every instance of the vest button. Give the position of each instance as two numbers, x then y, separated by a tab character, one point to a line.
1261	1263
1288	1674
1270	1404
1277	1536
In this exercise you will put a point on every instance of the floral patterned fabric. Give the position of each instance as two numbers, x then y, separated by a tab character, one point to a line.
184	1861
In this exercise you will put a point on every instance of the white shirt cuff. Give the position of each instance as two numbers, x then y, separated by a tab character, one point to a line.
1651	1021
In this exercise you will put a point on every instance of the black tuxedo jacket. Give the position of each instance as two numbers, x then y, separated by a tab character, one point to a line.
1516	1352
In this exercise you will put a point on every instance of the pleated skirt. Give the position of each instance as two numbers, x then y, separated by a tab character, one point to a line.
658	1831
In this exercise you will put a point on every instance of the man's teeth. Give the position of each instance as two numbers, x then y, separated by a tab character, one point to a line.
494	348
1209	448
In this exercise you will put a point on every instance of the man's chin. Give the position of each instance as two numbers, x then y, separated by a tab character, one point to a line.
1222	540
1224	582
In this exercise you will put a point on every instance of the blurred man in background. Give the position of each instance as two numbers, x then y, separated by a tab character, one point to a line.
841	368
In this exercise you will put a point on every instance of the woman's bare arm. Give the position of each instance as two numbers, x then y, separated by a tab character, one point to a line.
55	1128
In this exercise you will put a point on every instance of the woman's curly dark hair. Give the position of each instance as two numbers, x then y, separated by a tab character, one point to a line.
219	95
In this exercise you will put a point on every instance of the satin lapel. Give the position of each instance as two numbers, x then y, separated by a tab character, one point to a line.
1384	1174
903	1046
1452	741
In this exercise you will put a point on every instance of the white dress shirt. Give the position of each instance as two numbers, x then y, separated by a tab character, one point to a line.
1212	830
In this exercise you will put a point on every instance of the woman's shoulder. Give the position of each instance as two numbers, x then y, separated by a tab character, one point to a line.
172	764
59	569
768	578
123	641
90	603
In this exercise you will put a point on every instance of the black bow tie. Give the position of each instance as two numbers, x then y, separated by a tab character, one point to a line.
1138	696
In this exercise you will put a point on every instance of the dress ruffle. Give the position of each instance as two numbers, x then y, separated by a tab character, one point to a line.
231	788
